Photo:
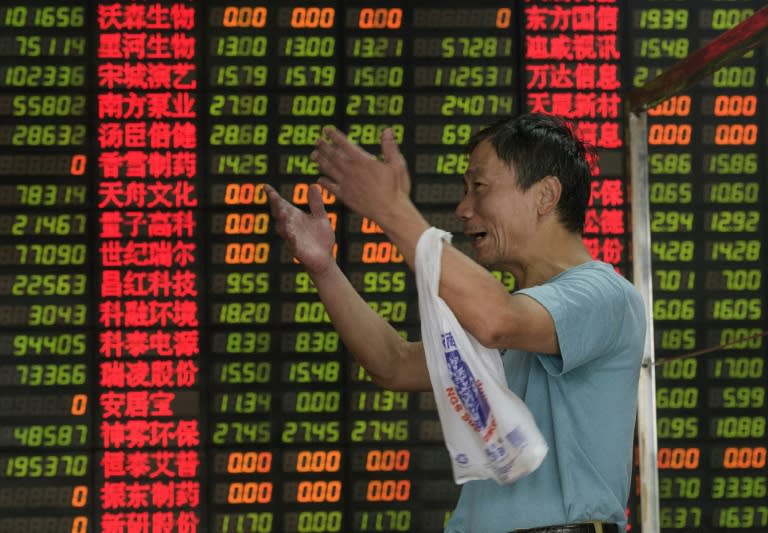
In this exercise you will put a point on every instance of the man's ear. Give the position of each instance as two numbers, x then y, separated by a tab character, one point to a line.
548	195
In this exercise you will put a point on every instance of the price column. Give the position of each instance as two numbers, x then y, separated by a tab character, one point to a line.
149	475
732	218
380	468
661	37
308	67
45	423
465	61
464	64
242	406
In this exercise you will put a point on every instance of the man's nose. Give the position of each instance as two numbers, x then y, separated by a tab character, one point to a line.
464	209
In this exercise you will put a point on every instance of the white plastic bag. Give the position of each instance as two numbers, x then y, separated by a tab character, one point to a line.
488	430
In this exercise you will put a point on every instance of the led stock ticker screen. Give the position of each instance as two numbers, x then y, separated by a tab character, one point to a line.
165	365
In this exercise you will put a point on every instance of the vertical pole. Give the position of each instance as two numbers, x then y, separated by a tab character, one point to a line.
642	278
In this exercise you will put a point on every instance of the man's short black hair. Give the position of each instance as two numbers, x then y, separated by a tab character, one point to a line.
538	145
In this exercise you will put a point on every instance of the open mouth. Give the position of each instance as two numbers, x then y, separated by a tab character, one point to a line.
476	236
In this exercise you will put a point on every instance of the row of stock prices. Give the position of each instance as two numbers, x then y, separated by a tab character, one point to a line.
166	364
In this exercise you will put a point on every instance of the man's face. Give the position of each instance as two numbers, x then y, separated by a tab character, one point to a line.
498	216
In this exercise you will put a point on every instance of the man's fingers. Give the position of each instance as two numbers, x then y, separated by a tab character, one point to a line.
316	206
329	160
389	148
331	186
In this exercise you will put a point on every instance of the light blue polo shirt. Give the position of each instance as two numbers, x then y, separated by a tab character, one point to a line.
584	403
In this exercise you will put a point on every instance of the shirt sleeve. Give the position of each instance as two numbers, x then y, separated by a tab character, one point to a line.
585	307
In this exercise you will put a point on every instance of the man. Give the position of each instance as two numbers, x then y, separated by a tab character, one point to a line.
571	337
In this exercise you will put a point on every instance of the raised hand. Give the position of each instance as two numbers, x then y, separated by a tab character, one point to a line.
309	236
367	185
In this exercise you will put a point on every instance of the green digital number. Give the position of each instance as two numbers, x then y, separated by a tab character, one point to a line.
300	134
674	280
736	309
379	430
49	105
248	342
314	372
239	134
725	19
474	47
733	221
46	466
315	401
313	105
62	344
456	134
242	433
663	19
49	284
674	309
239	75
677	427
741	517
307	431
316	342
659	47
240	164
670	163
60	254
370	76
54	315
677	397
248	402
678	339
475	105
42	46
743	397
734	250
381	401
308	46
734	77
682	518
679	487
375	104
308	76
741	338
63	374
371	133
742	279
739	368
241	46
247	282
733	192
671	221
384	282
738	487
310	313
239	105
51	195
245	372
51	435
32	76
375	47
237	522
739	427
671	192
681	368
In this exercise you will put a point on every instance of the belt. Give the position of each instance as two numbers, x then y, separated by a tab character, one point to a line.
589	527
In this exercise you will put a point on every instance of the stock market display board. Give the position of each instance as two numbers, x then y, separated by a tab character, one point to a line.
165	365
